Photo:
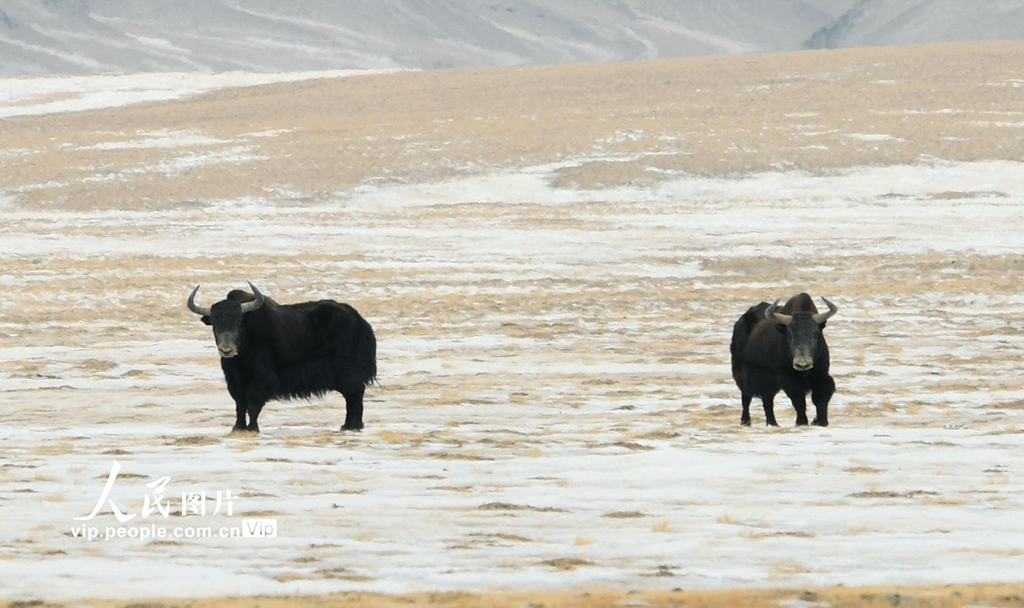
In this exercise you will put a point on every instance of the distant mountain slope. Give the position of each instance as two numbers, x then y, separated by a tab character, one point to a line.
887	22
94	36
835	8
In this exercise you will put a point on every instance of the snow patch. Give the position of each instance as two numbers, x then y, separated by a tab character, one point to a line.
160	139
872	137
26	96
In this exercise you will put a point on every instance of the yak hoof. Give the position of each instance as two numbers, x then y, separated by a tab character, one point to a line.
800	422
253	428
744	421
823	423
771	423
352	427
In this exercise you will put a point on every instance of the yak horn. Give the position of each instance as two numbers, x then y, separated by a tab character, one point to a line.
260	300
771	315
199	310
822	316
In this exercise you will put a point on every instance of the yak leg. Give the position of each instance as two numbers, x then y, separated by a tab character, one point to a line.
353	409
240	409
255	407
797	394
762	382
258	394
745	416
262	388
769	409
821	394
238	394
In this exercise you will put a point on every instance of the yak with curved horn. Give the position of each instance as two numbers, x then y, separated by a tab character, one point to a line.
783	349
290	351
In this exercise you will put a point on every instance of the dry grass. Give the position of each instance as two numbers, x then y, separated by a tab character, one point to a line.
938	596
566	563
624	514
715	116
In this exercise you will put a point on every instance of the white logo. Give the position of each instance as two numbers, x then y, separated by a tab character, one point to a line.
259	528
193	504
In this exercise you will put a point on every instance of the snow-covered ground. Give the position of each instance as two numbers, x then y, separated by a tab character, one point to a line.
556	407
34	96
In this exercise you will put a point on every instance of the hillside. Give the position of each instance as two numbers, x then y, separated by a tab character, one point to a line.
100	36
892	22
81	37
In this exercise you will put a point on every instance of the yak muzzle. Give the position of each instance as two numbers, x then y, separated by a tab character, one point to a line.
802	365
227	344
227	348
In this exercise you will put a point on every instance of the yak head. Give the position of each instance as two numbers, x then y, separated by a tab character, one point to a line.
226	318
803	332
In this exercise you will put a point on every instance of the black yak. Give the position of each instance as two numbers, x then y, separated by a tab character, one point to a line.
785	349
290	351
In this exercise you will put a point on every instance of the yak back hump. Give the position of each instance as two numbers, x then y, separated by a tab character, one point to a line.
239	295
801	302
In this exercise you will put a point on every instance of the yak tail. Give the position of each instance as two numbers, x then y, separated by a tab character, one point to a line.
740	333
366	353
739	342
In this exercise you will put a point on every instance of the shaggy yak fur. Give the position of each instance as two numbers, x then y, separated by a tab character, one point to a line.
290	351
783	349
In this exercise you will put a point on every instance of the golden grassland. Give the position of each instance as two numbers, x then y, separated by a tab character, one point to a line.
307	142
938	596
706	116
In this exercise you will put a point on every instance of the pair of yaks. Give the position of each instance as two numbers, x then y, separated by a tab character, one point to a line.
297	351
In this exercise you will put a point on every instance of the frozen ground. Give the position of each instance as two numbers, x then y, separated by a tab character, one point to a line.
556	407
34	96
